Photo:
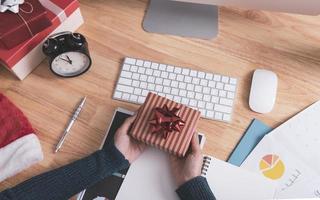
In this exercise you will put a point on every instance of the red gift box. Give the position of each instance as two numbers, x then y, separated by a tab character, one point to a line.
16	28
165	124
64	15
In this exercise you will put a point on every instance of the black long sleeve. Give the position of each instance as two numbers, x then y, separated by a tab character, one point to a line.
66	181
195	189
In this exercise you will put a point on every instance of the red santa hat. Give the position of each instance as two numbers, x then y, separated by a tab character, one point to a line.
19	146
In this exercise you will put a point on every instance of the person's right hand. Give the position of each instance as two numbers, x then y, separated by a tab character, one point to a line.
188	167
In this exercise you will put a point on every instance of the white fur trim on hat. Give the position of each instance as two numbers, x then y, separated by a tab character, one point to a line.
19	155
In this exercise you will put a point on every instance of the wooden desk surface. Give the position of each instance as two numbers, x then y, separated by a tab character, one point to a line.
286	44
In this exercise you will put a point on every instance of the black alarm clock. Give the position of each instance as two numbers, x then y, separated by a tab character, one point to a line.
68	54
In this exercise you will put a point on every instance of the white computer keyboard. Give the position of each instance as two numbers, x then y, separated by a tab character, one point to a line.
212	94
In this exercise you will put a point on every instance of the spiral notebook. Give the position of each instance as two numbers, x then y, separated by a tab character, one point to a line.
150	177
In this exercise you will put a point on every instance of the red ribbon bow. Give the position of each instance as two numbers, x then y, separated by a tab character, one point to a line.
166	121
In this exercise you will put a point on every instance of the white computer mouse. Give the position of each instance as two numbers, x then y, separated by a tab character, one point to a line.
263	91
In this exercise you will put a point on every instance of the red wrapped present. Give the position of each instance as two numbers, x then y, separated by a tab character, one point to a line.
64	15
165	124
16	28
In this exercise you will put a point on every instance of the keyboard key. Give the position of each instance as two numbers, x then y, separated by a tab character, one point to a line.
190	87
230	95
118	95
233	81
219	86
216	78
130	61
141	70
125	81
174	91
156	73
164	74
170	68
201	104
227	102
151	79
192	102
143	77
166	82
231	88
159	81
182	85
169	96
177	99
139	62
210	114
180	77
206	90
214	99
172	76
177	70
124	88
185	101
190	95
137	91
196	81
162	67
183	93
174	84
151	86
126	74
143	85
209	76
154	65
198	88
147	64
134	68
212	84
207	98
149	71
159	88
209	106
225	79
203	112
218	116
141	99
135	83
214	92
221	108
126	67
193	73
222	93
198	96
204	82
135	76
145	93
187	79
133	98
126	96
226	117
167	90
185	72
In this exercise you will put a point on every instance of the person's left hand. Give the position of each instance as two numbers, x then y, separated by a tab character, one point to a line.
128	146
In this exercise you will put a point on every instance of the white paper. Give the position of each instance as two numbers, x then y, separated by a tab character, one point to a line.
295	148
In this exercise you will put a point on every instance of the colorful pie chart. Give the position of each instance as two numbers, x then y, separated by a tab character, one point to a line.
272	166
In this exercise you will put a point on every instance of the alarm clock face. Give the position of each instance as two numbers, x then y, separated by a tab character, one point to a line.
70	64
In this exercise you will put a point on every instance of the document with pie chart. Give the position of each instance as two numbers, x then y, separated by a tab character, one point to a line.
290	156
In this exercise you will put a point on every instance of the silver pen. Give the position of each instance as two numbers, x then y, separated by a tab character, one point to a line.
70	124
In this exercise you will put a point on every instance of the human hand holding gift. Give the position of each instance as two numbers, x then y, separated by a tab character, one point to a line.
165	124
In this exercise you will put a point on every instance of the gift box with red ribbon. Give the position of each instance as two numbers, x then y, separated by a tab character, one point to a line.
64	15
18	27
165	124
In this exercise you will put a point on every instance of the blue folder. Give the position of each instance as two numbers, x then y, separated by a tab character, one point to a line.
255	132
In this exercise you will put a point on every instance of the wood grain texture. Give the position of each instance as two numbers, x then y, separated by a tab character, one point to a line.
286	44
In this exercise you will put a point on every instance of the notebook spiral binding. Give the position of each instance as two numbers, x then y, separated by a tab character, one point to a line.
205	165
